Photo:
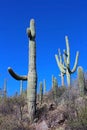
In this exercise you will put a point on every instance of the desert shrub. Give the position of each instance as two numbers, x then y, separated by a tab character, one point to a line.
13	111
77	116
6	106
50	95
61	90
42	112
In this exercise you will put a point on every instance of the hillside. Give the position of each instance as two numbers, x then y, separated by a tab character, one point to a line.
68	112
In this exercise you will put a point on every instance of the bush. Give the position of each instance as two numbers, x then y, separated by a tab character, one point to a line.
77	116
13	111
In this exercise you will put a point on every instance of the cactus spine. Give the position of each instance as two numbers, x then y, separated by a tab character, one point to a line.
81	80
65	68
32	76
41	92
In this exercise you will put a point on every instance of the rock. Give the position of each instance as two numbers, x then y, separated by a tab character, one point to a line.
42	126
60	128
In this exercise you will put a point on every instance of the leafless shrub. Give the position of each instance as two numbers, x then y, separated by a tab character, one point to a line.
77	116
13	114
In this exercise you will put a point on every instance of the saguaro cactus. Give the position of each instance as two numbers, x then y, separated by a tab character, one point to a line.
32	75
81	80
5	88
59	61
44	85
55	89
41	93
65	68
52	80
21	87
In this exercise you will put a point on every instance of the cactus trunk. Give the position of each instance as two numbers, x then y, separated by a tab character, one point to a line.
32	76
55	89
32	81
5	88
44	83
68	78
21	87
62	78
81	80
41	92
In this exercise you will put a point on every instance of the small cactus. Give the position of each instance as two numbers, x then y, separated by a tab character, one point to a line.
5	88
52	80
55	89
41	93
44	85
21	87
81	80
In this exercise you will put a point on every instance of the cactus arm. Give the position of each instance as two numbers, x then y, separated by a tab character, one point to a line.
31	31
76	62
68	50
60	65
65	58
60	56
28	32
14	75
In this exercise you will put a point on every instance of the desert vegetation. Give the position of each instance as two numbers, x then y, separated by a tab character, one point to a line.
61	108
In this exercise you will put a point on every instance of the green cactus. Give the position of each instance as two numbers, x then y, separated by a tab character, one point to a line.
32	75
21	87
41	93
61	62
52	80
81	80
65	68
5	88
44	85
55	88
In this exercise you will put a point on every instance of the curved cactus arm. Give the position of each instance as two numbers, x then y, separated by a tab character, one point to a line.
14	75
60	65
76	62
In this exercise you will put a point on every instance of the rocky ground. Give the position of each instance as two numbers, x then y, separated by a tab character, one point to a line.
69	112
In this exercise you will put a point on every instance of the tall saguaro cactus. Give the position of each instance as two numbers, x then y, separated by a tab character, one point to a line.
32	75
65	68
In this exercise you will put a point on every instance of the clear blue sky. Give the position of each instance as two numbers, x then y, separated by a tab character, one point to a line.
54	19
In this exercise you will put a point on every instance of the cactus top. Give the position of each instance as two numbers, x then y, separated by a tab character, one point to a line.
31	31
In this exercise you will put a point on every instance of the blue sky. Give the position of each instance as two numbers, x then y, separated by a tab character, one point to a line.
54	19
